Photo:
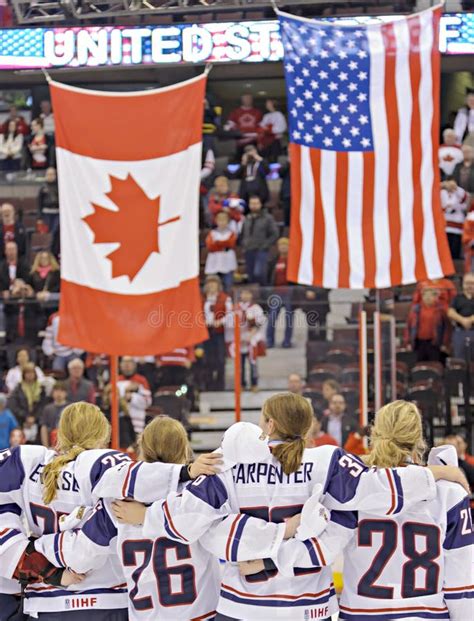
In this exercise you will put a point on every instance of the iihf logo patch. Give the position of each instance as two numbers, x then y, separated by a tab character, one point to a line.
67	603
306	615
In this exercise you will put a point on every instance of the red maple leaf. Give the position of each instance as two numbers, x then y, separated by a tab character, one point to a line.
134	226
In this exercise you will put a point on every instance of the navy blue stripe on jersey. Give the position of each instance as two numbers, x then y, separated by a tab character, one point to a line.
103	463
238	533
273	601
56	549
312	553
399	488
210	490
459	530
12	472
340	483
169	526
10	508
346	616
462	595
4	537
99	528
133	480
347	519
62	593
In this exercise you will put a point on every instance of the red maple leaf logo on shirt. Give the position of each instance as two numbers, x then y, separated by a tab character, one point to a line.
134	226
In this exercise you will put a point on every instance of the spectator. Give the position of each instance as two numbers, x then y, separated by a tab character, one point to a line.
20	123
211	122
296	384
77	386
464	172
47	116
61	354
45	277
217	309
338	423
15	374
222	199
245	120
38	145
127	436
462	313
272	126
221	258
252	336
14	276
285	191
7	423
11	230
450	153
174	367
330	388
464	121
427	330
253	171
29	396
259	233
445	287
11	148
316	437
48	201
136	391
314	302
281	297
50	415
459	444
468	242
30	429
17	438
454	201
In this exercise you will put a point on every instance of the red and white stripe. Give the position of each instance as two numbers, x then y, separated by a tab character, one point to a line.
374	219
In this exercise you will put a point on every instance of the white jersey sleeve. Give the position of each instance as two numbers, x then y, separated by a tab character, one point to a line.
112	474
15	465
84	549
350	485
458	548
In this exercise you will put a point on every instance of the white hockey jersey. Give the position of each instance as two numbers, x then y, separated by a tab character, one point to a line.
166	579
94	474
263	490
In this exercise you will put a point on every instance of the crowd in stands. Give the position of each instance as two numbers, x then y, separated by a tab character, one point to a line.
244	252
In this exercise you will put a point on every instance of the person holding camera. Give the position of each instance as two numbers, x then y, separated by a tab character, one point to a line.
253	172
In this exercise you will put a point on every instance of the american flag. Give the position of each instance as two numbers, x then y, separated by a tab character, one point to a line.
363	108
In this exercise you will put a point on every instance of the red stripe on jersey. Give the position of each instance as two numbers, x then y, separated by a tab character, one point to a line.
409	609
168	517
392	488
206	616
230	537
274	595
125	484
61	555
461	588
318	548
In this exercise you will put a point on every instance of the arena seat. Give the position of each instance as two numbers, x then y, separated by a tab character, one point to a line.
341	356
324	371
423	371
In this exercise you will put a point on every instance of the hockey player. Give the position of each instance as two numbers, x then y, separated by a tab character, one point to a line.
40	486
274	489
166	579
413	566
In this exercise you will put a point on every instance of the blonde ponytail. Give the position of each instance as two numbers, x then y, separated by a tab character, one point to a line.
397	436
165	439
292	416
82	426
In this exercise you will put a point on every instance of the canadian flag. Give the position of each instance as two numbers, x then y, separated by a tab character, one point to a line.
128	169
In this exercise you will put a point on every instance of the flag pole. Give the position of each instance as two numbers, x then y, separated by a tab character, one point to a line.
114	402
237	364
363	396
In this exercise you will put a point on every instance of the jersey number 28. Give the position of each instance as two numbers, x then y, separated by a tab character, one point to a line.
423	561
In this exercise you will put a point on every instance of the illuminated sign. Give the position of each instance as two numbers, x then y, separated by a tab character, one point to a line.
98	46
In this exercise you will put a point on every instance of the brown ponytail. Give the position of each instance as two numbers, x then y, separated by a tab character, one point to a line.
292	416
165	439
82	426
397	435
